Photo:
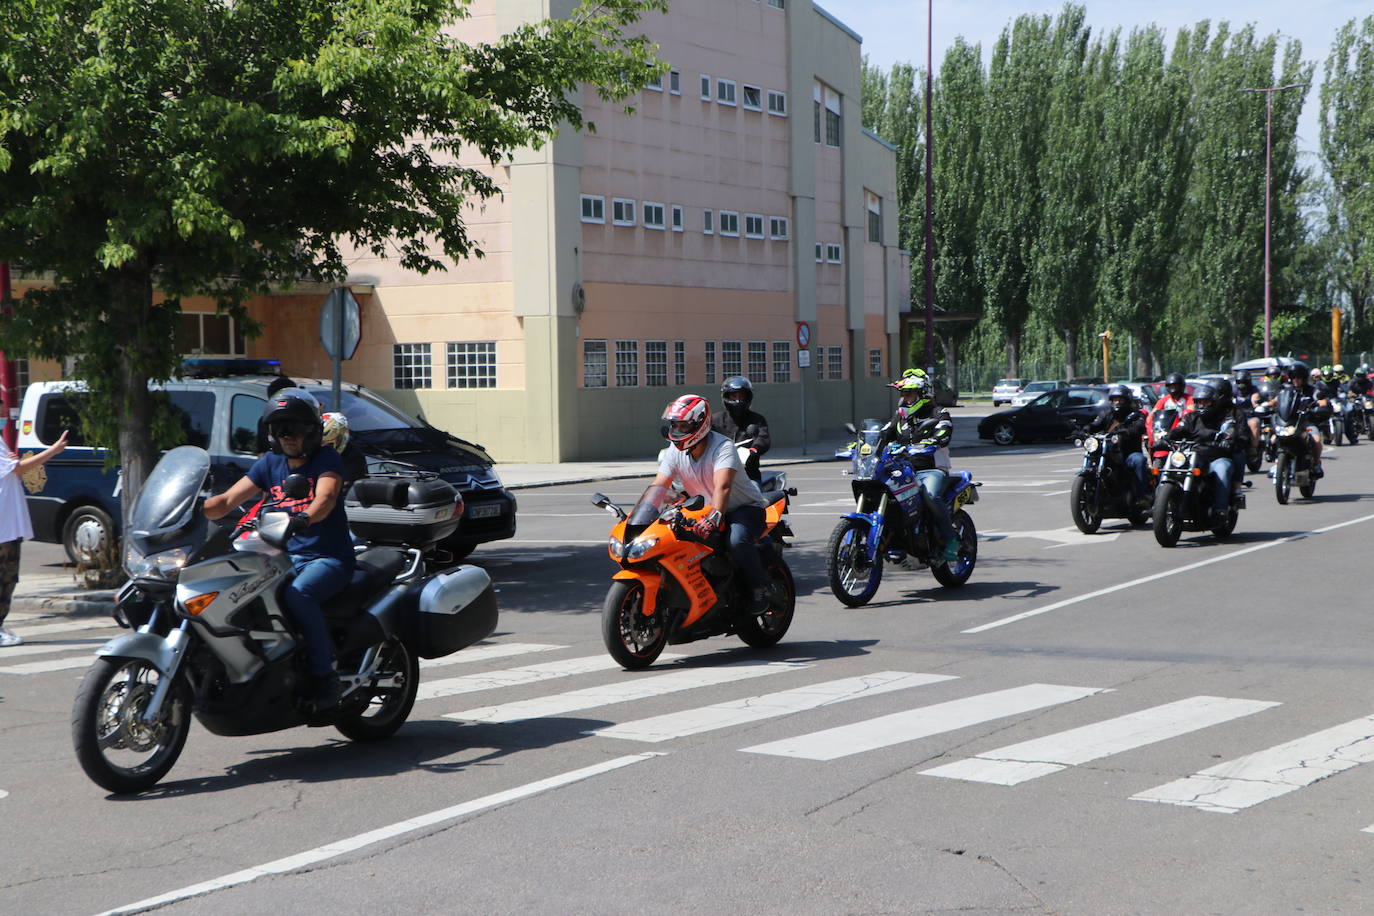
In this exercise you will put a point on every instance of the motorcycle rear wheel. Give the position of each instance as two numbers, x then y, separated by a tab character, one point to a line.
1309	489
1223	531
764	630
1352	434
852	578
1167	516
633	640
106	725
953	575
389	699
1255	462
1085	505
1283	478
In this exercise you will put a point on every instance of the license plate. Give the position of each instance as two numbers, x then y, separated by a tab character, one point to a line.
488	511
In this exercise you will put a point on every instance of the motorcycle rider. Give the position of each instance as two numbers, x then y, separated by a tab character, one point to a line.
320	546
738	422
1244	396
1121	417
1360	385
1175	396
919	421
337	437
1216	440
708	465
1320	410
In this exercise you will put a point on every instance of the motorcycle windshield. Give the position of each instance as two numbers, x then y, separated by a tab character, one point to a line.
866	455
647	510
1287	407
167	503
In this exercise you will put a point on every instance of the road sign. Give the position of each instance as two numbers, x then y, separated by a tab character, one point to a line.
340	324
803	359
803	334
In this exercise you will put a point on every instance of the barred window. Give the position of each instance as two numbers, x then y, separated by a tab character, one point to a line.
758	361
679	362
875	362
782	361
472	365
832	128
710	362
731	358
593	364
627	364
656	363
836	367
410	365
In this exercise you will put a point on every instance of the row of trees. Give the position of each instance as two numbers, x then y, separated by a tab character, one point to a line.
1086	182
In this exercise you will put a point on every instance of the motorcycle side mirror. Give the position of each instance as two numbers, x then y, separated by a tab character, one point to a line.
600	500
272	528
849	427
297	486
695	503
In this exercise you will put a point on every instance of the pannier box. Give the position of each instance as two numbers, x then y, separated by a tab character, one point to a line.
410	510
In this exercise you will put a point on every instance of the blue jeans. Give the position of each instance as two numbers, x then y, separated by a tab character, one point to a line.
932	482
317	579
746	524
1135	464
1222	469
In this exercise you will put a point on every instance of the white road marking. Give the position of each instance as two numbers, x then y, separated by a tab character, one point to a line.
1068	536
4	794
410	825
47	648
67	626
1017	763
768	706
1057	493
1237	784
486	652
911	724
1015	618
51	664
638	688
511	677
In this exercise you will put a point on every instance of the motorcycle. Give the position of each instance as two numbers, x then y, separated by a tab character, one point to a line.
1264	449
1161	422
1352	416
1367	408
1293	450
676	586
1333	430
890	522
1183	496
846	452
1102	488
212	639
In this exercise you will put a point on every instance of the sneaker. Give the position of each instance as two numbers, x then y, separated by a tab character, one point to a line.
952	550
9	638
759	604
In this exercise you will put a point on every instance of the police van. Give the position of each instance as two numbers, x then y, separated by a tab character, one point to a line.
74	499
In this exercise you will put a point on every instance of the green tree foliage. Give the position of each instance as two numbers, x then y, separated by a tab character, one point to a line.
221	147
1347	152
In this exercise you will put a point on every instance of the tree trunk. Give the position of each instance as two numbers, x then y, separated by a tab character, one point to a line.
1144	358
1070	353
132	304
1013	354
951	348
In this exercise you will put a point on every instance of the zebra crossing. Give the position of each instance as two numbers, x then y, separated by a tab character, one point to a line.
1227	788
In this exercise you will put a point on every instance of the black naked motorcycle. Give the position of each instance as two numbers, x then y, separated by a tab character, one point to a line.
1183	499
1352	413
1293	419
1102	488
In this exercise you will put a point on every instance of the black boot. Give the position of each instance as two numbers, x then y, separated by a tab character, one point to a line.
325	693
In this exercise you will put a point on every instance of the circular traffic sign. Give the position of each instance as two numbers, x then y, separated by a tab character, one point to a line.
803	334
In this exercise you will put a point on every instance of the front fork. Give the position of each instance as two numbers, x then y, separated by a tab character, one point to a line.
178	641
873	541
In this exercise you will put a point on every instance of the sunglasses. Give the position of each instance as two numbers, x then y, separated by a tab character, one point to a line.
290	430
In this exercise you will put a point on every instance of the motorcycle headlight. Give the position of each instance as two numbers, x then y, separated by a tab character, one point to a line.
616	548
1177	459
1091	444
865	467
163	565
1288	430
640	546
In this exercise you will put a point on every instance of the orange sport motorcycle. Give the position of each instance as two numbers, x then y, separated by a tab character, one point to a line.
676	586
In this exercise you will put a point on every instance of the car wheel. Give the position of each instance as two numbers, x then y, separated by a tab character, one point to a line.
88	535
1004	433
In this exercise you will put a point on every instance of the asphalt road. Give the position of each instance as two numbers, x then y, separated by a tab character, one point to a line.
1093	725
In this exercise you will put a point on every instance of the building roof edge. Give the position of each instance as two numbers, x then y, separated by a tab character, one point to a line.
826	14
872	136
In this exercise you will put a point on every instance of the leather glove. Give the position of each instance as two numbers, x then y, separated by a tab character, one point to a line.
708	524
299	522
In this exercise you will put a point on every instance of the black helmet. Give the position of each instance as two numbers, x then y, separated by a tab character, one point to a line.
737	384
1241	378
1118	391
294	411
1223	388
1175	380
1204	393
1299	371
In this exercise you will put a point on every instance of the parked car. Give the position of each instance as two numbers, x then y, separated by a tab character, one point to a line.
1006	389
1087	380
1050	416
1033	390
74	499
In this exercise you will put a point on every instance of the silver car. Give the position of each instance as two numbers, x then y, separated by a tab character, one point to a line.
1033	390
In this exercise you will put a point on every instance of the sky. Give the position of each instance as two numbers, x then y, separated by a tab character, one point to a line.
895	30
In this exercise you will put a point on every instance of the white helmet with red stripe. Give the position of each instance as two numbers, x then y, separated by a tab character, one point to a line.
687	420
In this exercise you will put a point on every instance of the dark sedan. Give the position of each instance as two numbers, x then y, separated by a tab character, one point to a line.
1050	416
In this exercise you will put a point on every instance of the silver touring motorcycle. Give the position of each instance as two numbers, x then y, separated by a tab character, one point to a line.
213	640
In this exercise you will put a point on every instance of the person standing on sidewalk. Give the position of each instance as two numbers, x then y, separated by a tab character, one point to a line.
15	525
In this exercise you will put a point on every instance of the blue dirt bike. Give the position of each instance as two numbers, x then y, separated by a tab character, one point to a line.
891	522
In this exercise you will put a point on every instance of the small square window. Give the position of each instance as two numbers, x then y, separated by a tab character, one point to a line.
675	82
729	223
836	360
875	363
777	4
593	364
834	254
627	364
725	92
778	228
753	226
710	362
705	88
677	218
679	362
731	358
777	103
758	361
753	98
656	84
782	361
708	222
820	254
471	365
656	363
410	365
653	215
622	211
593	209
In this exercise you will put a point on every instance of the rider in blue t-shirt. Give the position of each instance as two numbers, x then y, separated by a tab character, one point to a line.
320	545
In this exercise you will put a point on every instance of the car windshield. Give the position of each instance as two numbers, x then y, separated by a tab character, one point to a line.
1043	400
365	411
647	510
167	501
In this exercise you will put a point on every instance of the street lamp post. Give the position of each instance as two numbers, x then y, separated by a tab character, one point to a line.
930	195
1268	169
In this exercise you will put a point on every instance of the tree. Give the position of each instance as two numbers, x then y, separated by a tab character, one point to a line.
1347	150
159	149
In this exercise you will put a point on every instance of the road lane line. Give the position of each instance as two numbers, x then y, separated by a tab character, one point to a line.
911	724
66	626
1237	784
1015	618
511	677
768	706
638	688
51	664
47	648
410	825
1017	763
487	652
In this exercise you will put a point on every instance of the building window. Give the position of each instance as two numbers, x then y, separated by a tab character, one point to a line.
679	362
834	254
778	228
758	361
677	218
817	110
820	254
655	363
675	82
731	358
627	364
875	363
593	364
828	99
832	128
725	92
875	216
729	223
777	103
471	365
753	225
753	98
782	361
708	223
209	333
593	209
777	4
710	362
622	211
410	367
653	215
705	88
656	83
836	360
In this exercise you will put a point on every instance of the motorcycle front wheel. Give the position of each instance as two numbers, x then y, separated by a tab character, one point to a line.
853	579
1352	433
634	640
953	575
116	748
1168	514
376	711
764	630
1254	462
1084	505
1283	478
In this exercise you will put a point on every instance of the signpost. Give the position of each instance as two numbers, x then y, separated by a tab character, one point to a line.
803	362
340	329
